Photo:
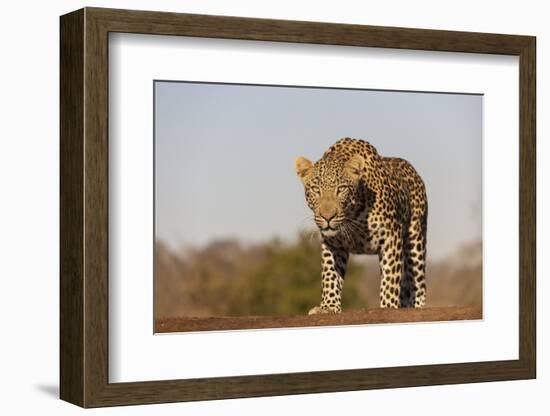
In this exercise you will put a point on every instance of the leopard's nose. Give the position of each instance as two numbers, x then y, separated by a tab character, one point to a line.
328	219
327	211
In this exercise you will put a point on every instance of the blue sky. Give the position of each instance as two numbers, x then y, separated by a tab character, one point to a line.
224	156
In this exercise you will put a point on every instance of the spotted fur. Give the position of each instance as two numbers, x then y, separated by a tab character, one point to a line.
364	203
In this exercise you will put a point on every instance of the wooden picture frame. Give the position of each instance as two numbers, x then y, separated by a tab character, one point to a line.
84	207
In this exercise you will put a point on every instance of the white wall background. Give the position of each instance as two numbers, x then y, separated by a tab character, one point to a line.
29	210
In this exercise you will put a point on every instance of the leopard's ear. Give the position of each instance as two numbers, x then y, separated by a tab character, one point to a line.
354	166
303	167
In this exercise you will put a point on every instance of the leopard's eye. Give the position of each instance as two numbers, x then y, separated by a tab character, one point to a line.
341	189
315	189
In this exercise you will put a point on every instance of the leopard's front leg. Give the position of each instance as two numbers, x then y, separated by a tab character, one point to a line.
333	263
391	265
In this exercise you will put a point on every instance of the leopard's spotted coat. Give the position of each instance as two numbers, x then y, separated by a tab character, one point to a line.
364	203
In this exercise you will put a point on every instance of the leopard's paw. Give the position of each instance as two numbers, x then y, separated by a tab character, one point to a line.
317	310
321	310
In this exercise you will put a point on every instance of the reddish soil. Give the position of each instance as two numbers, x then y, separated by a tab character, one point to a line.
352	317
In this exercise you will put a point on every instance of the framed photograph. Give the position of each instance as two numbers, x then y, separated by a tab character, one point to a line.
254	207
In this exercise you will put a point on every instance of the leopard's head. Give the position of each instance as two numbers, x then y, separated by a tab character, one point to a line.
332	187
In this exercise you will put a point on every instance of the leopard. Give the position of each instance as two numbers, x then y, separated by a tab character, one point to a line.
365	203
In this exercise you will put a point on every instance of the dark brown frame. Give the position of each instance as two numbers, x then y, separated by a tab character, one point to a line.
84	210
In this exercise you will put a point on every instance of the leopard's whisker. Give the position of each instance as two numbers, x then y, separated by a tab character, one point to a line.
347	234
